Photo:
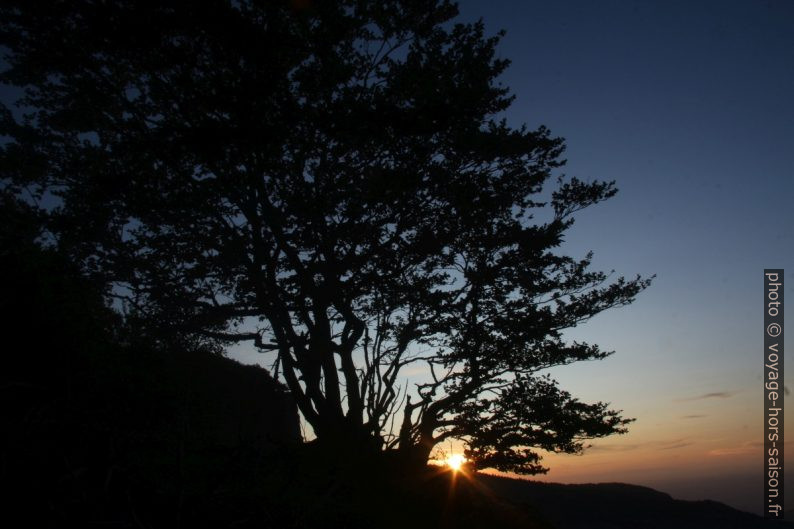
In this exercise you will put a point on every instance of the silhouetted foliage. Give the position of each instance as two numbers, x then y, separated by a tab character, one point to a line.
332	182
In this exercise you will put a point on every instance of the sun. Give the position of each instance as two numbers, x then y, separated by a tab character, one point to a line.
455	461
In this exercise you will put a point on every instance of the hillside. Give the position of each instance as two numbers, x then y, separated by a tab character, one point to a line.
101	426
619	506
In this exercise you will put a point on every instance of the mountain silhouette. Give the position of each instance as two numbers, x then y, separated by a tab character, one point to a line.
620	506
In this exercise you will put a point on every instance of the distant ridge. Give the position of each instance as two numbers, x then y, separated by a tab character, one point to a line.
619	506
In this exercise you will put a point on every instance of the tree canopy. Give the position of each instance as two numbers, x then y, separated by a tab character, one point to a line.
333	182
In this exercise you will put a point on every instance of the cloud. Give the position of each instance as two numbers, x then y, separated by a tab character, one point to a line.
671	444
614	448
747	447
714	395
668	444
674	446
694	416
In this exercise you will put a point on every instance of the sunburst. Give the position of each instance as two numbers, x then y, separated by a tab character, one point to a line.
455	462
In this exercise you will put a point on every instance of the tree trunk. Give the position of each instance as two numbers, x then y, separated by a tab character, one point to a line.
415	457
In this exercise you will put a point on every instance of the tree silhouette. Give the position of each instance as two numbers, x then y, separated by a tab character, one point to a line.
332	182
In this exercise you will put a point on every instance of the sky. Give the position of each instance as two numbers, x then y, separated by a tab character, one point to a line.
688	106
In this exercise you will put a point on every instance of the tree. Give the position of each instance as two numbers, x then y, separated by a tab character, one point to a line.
333	183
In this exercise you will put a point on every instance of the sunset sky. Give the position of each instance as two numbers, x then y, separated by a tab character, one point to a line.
688	106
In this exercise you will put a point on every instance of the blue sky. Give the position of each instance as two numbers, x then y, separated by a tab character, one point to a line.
688	106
